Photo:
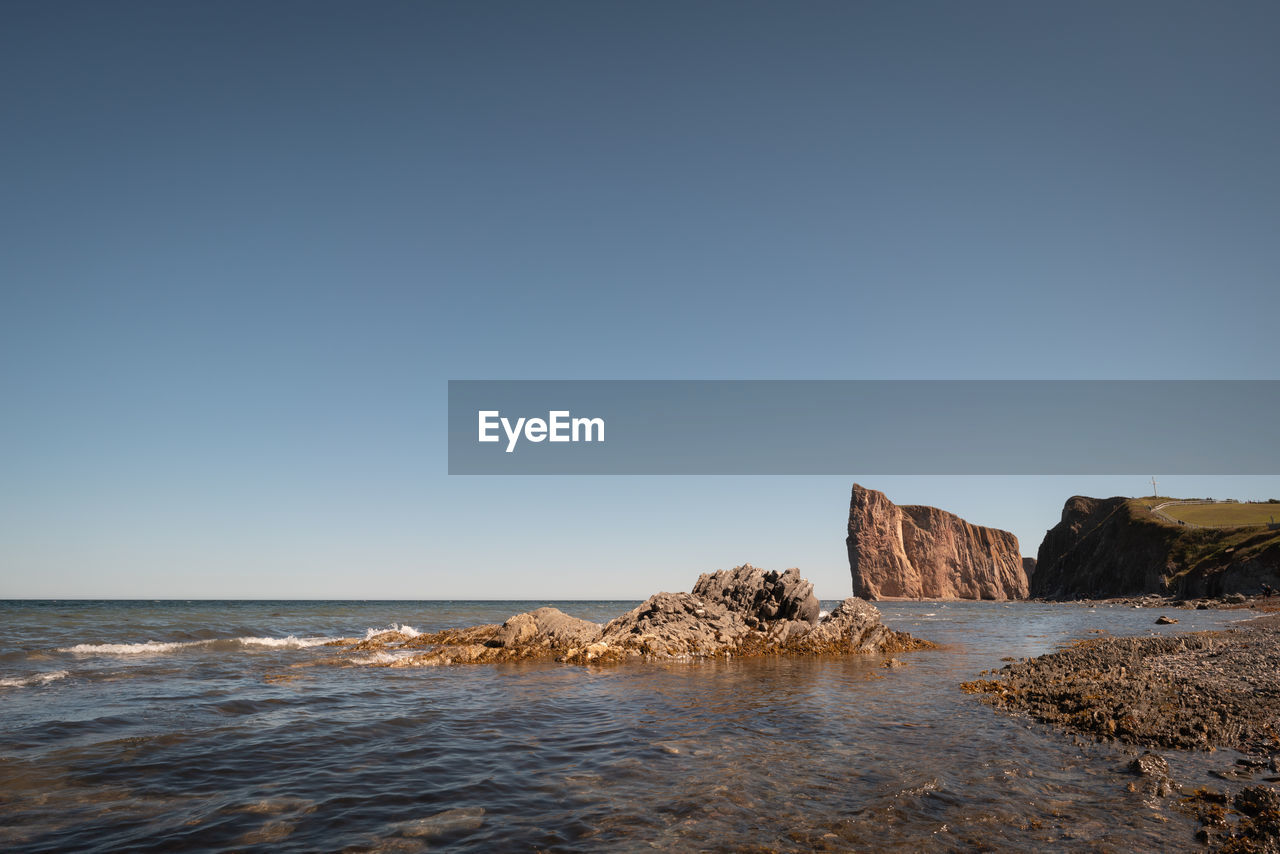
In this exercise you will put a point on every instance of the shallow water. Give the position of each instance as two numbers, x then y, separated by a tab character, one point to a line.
161	726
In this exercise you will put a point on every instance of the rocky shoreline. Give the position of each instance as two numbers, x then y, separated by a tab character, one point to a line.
1201	690
1198	691
1229	601
740	612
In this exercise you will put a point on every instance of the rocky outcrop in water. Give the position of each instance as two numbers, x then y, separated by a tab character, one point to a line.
739	612
918	551
1108	547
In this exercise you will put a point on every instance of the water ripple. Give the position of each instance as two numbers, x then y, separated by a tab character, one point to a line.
209	740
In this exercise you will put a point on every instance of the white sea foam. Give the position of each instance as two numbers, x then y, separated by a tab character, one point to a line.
407	631
33	679
161	647
291	642
126	649
822	615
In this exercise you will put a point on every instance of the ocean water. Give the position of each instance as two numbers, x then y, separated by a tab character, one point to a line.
215	726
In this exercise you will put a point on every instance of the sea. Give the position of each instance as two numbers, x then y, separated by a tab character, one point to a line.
167	726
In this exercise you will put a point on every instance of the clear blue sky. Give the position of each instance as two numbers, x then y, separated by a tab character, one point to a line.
243	246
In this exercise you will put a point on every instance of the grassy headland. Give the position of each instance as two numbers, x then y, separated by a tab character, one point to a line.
1133	546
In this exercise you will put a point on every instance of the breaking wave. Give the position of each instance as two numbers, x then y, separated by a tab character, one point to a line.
160	647
34	679
163	647
407	631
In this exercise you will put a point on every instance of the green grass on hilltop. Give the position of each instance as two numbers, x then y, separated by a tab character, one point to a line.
1224	514
1206	549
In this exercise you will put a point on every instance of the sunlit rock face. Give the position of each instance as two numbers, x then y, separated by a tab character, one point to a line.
924	552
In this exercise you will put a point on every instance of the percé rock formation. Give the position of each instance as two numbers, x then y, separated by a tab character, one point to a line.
1104	547
739	612
924	552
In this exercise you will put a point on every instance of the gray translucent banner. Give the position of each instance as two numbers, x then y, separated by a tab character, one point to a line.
1204	427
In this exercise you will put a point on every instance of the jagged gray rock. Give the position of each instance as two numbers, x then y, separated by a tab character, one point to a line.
738	612
763	595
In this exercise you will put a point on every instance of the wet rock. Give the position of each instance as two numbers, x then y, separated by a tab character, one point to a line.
1150	765
1231	773
1258	800
1155	770
1257	809
1165	621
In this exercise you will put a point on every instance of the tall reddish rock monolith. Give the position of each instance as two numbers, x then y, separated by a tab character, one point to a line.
917	551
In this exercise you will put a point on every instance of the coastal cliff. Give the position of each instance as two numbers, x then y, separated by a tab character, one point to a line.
1105	547
918	551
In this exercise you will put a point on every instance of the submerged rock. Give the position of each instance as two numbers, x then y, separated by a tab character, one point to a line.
442	823
739	612
1154	769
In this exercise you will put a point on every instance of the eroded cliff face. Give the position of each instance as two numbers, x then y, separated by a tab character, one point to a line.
1098	549
915	551
1105	547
